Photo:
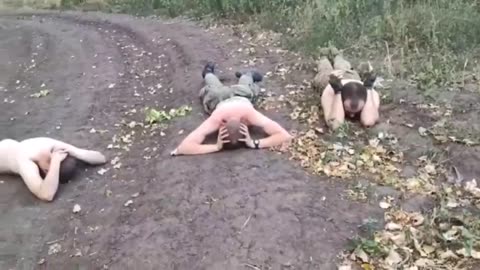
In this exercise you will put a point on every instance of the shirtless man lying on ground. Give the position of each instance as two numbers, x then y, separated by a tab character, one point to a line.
346	93
231	110
44	162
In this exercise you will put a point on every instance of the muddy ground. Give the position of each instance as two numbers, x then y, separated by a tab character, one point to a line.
241	210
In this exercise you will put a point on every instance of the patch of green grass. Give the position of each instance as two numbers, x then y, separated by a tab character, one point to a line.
344	130
154	116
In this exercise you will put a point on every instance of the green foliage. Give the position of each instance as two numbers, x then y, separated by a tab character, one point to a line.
155	116
432	28
408	23
71	3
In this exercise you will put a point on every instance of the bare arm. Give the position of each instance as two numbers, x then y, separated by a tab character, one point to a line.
369	115
44	189
89	156
192	144
277	134
332	106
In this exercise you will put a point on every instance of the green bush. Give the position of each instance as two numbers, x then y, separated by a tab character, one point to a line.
416	27
422	24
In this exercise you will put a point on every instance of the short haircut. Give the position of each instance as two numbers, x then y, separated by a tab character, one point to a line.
354	91
234	135
68	168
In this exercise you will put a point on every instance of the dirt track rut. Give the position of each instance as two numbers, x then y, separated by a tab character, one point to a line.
224	211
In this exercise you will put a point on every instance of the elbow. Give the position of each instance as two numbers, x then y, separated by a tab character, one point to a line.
102	159
369	123
287	137
44	196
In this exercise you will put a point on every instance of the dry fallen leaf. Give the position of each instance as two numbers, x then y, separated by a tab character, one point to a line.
391	226
360	254
345	267
393	258
417	219
422	131
424	262
114	160
385	205
102	171
447	255
76	208
473	253
54	249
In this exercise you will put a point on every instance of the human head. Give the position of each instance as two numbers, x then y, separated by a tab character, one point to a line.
354	96
67	171
234	135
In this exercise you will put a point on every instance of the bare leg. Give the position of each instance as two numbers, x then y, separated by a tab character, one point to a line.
370	113
332	108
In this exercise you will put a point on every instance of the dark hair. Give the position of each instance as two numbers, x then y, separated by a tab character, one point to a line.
68	168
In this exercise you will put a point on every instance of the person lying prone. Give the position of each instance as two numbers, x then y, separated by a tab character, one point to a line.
231	111
43	163
349	95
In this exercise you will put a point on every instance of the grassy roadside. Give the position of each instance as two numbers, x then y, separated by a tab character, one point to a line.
434	43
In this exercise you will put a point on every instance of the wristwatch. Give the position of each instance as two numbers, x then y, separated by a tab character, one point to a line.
256	143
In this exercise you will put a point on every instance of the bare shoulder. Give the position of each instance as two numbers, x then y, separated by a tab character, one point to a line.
39	140
32	146
259	119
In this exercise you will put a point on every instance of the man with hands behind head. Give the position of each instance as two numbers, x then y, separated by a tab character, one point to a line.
231	110
347	93
43	163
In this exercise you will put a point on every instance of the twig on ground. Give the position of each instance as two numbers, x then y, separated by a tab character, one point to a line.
246	222
252	266
56	241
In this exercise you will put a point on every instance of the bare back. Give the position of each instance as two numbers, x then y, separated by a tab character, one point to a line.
235	107
13	152
22	157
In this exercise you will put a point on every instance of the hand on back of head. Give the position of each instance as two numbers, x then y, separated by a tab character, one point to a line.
335	80
234	133
59	154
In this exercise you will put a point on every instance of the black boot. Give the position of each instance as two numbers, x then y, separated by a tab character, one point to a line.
256	76
209	68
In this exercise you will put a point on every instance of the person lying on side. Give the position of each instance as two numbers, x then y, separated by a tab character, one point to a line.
44	162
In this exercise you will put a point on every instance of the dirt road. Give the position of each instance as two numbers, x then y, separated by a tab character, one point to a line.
224	211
